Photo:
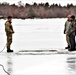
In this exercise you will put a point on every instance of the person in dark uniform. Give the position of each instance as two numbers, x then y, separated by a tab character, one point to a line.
9	32
72	33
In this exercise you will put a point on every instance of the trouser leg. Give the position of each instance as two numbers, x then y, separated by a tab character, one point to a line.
72	41
68	40
9	42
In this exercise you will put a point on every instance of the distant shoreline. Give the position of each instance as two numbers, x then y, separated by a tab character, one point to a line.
39	18
41	11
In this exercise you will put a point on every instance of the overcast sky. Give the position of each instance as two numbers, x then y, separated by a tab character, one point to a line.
62	2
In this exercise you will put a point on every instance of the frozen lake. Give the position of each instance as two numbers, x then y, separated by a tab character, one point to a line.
58	64
35	34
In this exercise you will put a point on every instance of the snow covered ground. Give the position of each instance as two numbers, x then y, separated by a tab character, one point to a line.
37	34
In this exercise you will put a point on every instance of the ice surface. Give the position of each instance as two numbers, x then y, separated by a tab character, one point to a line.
58	64
37	34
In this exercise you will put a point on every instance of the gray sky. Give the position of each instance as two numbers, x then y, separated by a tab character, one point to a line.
62	2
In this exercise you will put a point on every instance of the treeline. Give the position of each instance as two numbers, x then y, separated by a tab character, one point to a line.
41	10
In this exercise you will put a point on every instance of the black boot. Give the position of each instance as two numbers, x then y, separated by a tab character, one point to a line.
72	49
67	47
9	50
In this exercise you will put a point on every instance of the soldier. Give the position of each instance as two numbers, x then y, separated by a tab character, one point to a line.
9	32
72	33
67	25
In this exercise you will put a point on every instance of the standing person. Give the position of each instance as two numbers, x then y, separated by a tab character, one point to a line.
67	25
9	32
72	34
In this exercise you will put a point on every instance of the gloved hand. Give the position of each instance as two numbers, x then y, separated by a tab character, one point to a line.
13	32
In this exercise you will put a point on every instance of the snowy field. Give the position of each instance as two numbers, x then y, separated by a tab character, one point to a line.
33	36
